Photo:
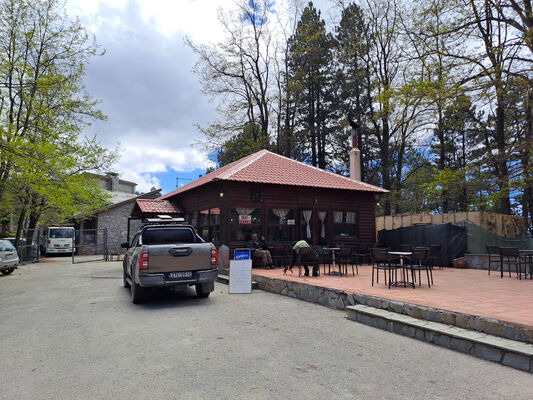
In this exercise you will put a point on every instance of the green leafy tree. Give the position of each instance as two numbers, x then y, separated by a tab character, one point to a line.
43	110
457	138
241	145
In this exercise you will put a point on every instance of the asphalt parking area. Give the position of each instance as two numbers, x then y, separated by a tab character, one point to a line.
70	331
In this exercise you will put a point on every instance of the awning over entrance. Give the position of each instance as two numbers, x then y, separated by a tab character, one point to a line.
145	208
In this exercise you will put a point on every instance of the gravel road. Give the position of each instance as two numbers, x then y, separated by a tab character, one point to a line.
71	332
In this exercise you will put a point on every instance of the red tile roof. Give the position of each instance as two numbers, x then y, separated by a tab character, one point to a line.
157	206
267	167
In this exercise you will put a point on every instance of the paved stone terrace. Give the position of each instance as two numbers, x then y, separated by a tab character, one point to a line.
465	291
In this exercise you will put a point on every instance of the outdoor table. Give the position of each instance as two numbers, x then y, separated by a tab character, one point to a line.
333	250
402	254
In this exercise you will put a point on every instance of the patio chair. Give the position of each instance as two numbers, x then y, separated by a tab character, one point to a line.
494	255
510	256
324	257
345	258
281	256
360	253
405	247
381	260
418	261
434	256
528	263
308	256
429	261
257	263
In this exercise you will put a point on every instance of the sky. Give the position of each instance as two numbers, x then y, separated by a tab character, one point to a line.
146	86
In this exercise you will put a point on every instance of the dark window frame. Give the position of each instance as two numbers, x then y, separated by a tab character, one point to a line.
269	225
344	223
253	228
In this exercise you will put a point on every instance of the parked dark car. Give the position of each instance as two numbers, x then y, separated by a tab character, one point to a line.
25	251
8	257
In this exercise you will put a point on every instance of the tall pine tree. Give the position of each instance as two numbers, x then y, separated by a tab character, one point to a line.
310	78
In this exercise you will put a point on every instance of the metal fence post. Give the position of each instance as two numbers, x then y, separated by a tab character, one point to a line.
37	241
73	246
106	257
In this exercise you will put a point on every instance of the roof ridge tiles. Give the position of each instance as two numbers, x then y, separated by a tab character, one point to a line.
246	164
213	175
331	173
245	170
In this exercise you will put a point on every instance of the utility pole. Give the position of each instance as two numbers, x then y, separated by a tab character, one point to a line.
178	181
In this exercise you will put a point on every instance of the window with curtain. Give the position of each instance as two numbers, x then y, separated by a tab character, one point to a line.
305	225
254	213
345	224
323	228
239	231
278	229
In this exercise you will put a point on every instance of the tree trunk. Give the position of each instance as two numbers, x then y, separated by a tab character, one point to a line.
20	226
385	164
527	154
504	203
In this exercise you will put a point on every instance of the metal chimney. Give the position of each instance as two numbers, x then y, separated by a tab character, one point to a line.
355	154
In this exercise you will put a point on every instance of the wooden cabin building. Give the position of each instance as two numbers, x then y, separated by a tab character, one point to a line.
280	198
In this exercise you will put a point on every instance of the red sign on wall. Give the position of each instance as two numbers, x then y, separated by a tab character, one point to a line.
245	219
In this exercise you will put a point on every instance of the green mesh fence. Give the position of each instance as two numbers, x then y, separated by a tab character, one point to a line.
478	238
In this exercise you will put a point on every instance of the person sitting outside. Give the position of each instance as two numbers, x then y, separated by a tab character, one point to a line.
300	248
259	250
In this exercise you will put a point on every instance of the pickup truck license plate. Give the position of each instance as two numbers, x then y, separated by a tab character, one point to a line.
175	275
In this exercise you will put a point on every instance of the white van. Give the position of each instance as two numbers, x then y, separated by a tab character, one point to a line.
57	240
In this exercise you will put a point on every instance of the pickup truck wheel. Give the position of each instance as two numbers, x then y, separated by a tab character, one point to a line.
125	281
138	293
7	271
200	293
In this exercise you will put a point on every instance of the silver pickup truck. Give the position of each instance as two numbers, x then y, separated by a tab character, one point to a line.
169	255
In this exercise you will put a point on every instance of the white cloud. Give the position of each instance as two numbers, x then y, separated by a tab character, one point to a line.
139	163
145	182
196	18
157	159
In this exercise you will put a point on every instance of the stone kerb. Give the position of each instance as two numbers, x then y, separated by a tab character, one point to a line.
339	300
481	345
472	322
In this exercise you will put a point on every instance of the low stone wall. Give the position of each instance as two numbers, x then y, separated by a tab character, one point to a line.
479	261
488	347
466	321
315	294
339	300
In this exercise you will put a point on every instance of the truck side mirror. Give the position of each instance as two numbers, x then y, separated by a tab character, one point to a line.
125	245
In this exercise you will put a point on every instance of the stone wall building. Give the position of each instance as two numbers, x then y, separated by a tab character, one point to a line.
114	217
